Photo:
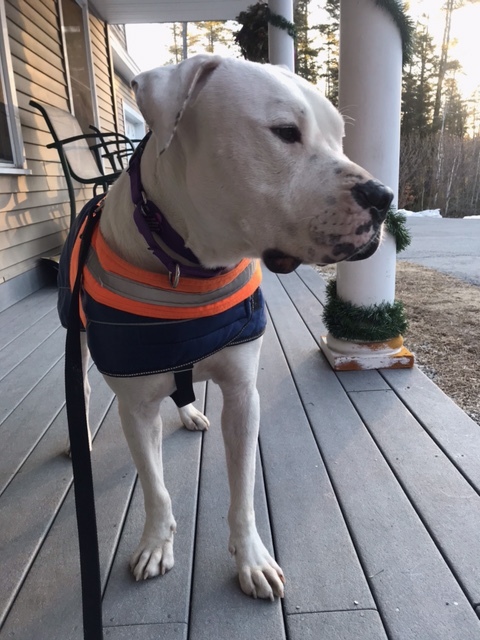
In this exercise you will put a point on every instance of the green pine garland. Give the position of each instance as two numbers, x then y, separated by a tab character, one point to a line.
395	224
282	23
404	23
374	323
252	38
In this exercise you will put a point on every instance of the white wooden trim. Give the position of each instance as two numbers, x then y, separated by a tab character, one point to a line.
13	116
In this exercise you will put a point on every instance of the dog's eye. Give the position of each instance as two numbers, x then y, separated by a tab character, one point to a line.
289	133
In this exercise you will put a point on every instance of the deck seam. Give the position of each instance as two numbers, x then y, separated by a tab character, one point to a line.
121	529
39	439
272	530
414	506
303	612
432	436
31	388
392	469
31	352
327	471
61	502
19	335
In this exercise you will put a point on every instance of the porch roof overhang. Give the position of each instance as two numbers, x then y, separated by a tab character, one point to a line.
145	11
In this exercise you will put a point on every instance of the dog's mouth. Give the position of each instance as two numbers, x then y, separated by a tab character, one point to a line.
280	262
367	250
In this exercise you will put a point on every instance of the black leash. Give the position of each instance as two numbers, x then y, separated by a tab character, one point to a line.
80	451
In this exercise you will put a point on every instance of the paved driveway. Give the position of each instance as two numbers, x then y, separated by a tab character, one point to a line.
450	245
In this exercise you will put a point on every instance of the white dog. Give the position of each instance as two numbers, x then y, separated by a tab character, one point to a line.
245	161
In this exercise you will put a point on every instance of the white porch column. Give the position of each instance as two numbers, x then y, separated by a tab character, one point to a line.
281	49
370	86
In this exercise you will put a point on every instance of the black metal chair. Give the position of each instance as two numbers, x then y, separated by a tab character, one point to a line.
83	155
117	152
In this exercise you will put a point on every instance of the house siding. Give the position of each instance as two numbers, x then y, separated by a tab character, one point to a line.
34	208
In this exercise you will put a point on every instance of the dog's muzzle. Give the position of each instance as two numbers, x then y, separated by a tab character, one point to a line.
376	197
367	250
280	262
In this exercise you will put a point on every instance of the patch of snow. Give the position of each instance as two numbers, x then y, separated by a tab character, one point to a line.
429	213
471	217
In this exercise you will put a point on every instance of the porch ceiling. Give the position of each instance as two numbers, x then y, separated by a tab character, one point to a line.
144	11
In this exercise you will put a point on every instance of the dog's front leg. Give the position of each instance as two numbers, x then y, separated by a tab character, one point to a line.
140	416
259	574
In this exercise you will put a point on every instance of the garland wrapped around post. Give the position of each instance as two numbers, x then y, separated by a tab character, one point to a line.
370	323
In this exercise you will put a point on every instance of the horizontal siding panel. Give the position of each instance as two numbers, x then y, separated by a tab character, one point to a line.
15	219
33	117
39	152
24	201
31	232
30	20
25	252
48	9
34	61
14	184
46	84
47	50
49	169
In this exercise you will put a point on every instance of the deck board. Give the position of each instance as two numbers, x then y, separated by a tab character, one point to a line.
219	609
308	523
367	489
410	580
445	501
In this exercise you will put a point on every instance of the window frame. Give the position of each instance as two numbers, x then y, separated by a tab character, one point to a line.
83	4
19	164
134	117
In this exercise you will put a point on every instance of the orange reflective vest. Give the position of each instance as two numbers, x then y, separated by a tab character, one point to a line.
138	323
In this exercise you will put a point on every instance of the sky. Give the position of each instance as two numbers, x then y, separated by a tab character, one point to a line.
464	34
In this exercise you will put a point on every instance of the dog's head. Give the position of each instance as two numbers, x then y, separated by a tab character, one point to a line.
259	153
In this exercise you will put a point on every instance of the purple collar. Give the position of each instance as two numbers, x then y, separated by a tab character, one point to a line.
171	251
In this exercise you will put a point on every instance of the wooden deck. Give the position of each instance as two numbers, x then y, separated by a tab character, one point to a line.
367	488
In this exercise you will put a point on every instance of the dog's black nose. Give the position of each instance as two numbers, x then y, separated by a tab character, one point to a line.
375	196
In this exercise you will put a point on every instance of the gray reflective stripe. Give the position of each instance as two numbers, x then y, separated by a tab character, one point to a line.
162	297
173	255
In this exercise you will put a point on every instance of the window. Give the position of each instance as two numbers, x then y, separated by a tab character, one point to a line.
76	35
12	157
134	123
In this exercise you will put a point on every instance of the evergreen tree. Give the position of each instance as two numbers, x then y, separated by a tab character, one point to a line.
176	49
306	54
419	80
455	109
330	32
214	33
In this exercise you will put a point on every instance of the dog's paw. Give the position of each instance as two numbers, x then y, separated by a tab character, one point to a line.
153	557
259	574
193	419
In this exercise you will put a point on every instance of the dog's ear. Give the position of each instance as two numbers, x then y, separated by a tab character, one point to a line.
162	94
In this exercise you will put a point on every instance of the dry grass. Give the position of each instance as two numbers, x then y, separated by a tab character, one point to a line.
444	330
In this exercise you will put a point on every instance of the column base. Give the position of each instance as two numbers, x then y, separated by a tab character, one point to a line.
344	355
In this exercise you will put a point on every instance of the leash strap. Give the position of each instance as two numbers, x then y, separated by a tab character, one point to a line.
80	451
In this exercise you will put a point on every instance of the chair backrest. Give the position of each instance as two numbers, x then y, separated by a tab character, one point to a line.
78	154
